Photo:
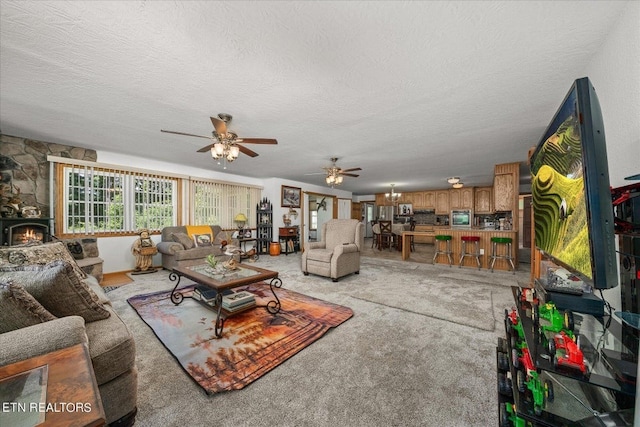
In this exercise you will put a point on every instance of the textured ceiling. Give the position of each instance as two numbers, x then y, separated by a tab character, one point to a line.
412	92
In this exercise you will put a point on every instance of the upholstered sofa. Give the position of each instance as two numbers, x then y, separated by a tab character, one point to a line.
179	249
338	251
48	303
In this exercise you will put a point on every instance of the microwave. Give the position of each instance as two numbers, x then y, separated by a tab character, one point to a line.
461	218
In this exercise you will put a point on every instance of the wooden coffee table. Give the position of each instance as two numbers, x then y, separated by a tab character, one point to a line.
68	382
221	280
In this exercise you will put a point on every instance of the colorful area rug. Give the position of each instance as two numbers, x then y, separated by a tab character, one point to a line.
252	343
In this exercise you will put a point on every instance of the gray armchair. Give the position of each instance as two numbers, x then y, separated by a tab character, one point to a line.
338	251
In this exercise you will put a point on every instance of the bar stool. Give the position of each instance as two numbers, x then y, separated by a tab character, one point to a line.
476	253
440	238
507	241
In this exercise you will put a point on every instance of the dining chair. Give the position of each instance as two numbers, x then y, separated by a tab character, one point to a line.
376	234
412	227
386	235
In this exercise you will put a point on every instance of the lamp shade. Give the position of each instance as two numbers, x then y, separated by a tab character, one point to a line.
240	218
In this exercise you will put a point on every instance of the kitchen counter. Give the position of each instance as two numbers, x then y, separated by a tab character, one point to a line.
485	245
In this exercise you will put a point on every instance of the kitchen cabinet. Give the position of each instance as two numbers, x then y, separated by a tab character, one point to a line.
483	200
417	200
442	202
381	200
461	198
505	187
428	199
503	192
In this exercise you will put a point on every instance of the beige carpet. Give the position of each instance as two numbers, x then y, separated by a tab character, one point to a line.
386	366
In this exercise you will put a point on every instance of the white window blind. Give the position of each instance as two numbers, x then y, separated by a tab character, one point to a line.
219	202
105	200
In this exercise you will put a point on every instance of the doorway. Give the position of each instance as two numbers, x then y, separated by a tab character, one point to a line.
368	212
320	208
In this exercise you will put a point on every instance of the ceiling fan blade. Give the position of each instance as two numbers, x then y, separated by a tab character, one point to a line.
350	169
259	141
185	134
205	148
246	151
349	174
219	125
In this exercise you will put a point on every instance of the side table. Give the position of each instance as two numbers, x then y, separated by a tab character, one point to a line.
290	237
72	395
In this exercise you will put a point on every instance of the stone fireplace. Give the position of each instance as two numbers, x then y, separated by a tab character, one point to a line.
20	231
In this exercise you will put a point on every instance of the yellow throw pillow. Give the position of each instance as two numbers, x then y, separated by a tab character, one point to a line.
193	230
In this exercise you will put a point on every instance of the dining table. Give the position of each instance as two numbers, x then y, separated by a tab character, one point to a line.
396	229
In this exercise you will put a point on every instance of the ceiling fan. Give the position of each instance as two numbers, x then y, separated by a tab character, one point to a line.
225	144
335	174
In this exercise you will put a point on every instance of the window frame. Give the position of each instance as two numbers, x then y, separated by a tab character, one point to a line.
61	187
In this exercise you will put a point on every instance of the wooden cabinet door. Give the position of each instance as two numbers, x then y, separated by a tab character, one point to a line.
455	199
442	202
503	192
466	198
418	200
483	201
429	199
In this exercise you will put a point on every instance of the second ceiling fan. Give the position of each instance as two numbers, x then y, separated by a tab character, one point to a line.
335	174
225	144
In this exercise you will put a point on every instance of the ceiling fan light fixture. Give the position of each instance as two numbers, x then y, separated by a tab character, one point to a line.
453	180
217	150
458	185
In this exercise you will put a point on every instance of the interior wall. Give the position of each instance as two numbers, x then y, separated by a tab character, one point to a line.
614	72
111	248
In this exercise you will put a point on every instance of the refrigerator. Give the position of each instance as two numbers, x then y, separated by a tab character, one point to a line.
385	213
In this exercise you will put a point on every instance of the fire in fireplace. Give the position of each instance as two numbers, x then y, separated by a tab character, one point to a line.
26	234
20	231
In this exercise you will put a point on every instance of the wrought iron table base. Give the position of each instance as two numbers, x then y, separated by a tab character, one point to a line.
273	306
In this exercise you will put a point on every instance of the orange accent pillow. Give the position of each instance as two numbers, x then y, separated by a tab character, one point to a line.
192	230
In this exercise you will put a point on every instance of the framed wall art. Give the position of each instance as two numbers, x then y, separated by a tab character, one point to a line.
405	209
290	197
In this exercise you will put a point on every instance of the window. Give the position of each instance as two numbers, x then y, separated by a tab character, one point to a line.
106	201
219	202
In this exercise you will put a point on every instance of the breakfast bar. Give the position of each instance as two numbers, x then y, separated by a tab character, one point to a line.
485	246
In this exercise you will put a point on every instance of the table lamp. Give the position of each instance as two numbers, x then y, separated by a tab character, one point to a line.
240	220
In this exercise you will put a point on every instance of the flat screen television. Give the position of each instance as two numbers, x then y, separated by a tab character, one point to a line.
573	212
